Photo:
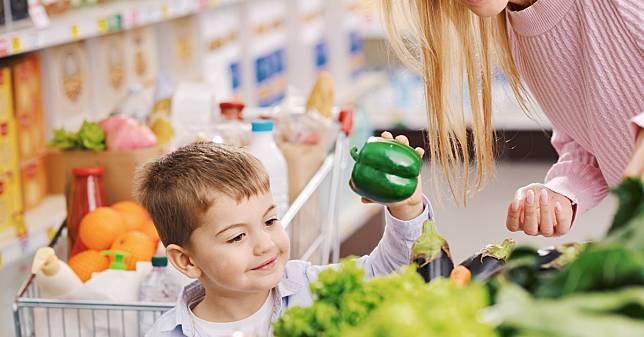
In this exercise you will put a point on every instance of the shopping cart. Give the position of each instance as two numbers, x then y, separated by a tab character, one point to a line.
35	316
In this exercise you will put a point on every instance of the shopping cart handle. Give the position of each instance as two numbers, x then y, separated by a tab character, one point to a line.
346	120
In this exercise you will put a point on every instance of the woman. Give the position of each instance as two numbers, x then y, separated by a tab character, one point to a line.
583	62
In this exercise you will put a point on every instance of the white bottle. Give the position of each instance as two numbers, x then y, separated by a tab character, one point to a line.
263	147
54	277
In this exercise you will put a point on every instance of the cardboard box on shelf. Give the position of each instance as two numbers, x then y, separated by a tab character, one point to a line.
33	176
181	56
67	85
108	72
141	56
119	169
28	103
221	45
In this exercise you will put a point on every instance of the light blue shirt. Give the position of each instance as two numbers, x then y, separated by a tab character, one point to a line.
392	253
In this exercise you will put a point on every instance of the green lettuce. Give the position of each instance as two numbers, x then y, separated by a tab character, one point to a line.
89	137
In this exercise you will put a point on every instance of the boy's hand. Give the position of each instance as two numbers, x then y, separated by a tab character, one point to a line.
537	210
413	206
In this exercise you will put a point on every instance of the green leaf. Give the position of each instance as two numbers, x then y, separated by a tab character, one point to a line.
630	194
91	136
64	140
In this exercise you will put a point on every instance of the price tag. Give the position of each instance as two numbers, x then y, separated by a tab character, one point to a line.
103	27
16	44
75	30
165	11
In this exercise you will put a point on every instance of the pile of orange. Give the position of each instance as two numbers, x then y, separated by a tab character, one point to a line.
125	226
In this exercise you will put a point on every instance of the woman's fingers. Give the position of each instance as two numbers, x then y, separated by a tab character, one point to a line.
546	225
531	224
564	221
512	221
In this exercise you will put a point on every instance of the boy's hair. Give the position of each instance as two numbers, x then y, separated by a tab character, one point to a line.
179	188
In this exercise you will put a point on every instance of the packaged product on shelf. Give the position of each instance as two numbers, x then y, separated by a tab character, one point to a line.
159	118
141	56
67	85
108	72
221	43
181	57
33	175
11	219
54	7
28	102
19	9
267	51
354	47
307	46
263	147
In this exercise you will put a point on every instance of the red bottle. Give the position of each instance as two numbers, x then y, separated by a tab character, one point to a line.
87	194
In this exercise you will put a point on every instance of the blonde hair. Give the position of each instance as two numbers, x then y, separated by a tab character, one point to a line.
442	40
179	188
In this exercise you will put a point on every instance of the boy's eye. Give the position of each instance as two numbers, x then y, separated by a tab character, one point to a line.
237	238
272	221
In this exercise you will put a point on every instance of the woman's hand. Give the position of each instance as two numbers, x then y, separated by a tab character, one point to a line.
635	167
537	210
411	207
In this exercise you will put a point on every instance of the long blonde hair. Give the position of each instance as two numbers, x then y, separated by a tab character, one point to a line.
443	41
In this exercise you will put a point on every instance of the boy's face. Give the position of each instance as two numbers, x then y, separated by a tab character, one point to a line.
240	247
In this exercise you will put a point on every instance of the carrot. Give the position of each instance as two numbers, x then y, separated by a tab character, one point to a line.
460	276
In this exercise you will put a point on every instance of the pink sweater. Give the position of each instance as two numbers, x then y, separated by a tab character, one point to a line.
583	61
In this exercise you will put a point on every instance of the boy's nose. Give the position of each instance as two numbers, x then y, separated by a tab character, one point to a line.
263	244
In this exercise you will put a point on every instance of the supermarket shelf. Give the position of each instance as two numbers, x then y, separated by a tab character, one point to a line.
366	83
42	222
98	20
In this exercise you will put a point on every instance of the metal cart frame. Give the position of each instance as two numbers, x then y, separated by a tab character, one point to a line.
28	301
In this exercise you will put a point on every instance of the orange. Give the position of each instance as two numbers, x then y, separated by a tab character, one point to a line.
133	214
99	228
149	230
87	262
139	246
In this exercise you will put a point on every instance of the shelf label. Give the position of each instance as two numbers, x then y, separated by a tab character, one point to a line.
103	26
16	44
165	11
75	30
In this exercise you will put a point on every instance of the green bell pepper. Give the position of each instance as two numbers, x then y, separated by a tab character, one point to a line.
385	171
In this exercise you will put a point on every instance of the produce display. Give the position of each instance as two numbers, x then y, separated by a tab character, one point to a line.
576	290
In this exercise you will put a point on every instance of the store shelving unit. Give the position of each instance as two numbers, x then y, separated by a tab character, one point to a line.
98	20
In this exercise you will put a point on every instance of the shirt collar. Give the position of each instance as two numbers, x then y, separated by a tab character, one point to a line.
195	291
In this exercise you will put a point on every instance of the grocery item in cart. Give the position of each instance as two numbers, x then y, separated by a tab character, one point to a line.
232	130
263	147
385	170
489	261
86	195
159	286
53	276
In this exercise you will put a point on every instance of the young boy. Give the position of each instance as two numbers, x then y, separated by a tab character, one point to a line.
214	212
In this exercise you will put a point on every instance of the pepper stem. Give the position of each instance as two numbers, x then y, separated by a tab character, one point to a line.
354	153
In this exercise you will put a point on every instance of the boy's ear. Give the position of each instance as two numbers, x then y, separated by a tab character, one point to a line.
181	260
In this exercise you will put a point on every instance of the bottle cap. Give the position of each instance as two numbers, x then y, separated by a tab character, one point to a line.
87	171
159	261
262	125
119	259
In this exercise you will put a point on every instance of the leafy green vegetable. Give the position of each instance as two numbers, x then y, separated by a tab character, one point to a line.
64	140
583	315
631	203
92	137
346	305
89	137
